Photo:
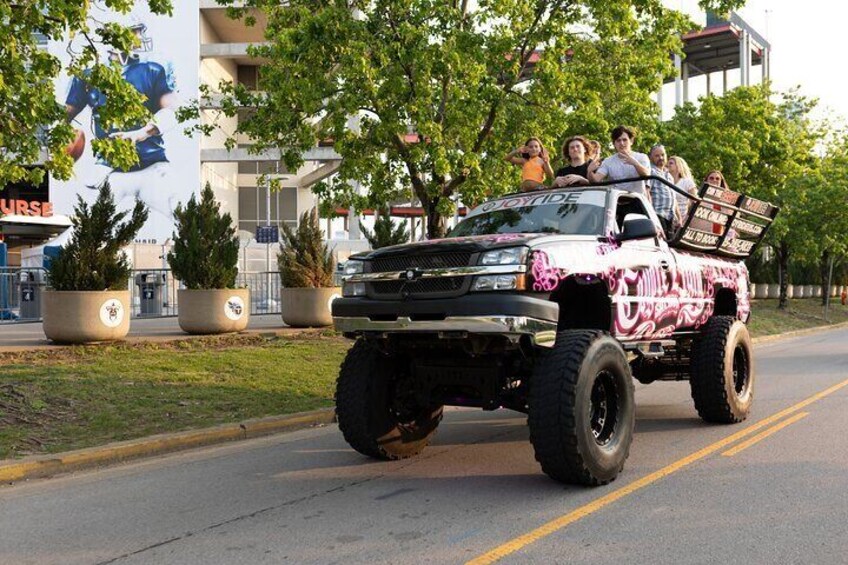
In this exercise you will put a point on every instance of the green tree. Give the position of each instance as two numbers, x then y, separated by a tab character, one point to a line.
31	119
826	211
385	232
206	246
428	95
764	147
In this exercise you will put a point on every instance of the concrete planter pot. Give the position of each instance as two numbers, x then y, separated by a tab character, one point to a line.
834	291
817	291
774	290
308	307
752	290
85	316
214	311
809	291
790	291
762	290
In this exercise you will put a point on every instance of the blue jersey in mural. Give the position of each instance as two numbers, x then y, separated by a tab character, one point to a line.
150	79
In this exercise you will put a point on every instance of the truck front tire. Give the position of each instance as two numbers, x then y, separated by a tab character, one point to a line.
582	408
377	417
722	365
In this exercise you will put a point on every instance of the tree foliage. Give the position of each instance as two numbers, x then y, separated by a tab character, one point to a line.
304	260
31	119
205	254
826	214
93	259
764	144
427	95
828	205
385	232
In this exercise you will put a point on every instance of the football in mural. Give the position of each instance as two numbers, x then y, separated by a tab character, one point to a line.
76	148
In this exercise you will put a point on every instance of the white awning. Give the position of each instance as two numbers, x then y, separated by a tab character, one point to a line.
48	227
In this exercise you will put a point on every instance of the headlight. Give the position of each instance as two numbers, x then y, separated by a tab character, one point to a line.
350	290
499	282
353	267
508	256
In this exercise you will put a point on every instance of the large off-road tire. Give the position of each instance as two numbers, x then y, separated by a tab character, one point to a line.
376	412
722	371
582	409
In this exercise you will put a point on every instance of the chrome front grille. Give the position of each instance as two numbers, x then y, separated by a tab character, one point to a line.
423	288
432	261
428	287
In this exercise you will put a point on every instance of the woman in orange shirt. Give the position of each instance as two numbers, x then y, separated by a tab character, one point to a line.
534	162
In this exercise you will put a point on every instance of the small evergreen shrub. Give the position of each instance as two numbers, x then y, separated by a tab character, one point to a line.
206	246
304	260
92	259
385	232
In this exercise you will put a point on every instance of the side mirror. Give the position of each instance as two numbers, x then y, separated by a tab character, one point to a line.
637	227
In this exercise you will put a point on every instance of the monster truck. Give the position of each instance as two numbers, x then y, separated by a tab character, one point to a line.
549	303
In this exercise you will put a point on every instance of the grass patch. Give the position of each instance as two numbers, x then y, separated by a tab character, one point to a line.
75	397
59	400
767	319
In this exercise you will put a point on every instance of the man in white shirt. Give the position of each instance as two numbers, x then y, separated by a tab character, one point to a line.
625	163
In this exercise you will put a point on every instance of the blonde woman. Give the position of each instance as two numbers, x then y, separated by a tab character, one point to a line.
682	175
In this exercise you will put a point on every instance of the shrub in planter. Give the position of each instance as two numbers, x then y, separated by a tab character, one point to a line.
385	232
88	298
306	274
205	260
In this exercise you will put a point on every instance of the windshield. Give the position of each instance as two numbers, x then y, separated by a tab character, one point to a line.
572	213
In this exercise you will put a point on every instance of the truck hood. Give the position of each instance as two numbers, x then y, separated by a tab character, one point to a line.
472	244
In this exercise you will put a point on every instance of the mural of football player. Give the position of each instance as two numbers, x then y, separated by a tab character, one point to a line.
146	179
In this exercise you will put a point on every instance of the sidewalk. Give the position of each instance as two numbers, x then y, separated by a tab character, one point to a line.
29	336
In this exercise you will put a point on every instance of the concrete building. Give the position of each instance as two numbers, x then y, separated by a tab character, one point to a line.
712	56
221	55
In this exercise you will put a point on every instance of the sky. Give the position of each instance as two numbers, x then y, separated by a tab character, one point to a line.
807	39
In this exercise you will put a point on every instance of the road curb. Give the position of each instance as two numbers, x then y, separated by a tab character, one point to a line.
267	333
42	466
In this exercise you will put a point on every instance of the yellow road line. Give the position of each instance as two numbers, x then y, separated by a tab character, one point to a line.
763	435
557	524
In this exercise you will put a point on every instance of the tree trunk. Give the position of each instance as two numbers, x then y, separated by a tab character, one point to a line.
824	264
783	272
436	222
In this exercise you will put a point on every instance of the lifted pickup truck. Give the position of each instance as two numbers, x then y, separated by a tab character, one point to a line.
549	303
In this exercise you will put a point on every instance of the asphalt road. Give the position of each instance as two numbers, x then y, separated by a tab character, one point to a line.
305	497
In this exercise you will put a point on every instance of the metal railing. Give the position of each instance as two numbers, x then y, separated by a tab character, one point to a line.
20	294
264	291
153	293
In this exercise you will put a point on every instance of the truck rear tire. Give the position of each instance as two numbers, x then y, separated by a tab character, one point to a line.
374	416
722	371
582	408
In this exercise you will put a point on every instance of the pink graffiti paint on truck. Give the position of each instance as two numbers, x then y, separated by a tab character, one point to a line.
649	301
